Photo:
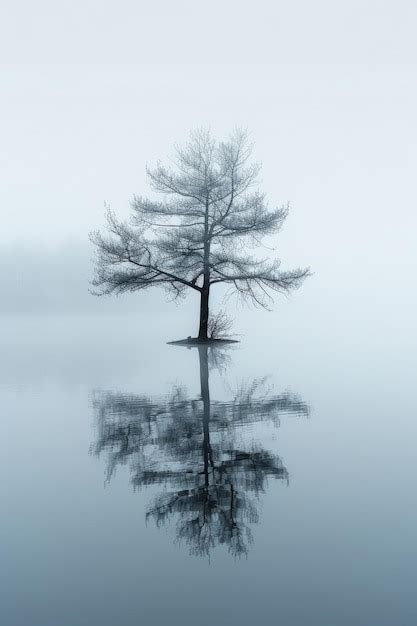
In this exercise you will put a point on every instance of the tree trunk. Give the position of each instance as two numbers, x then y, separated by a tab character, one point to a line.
204	313
204	303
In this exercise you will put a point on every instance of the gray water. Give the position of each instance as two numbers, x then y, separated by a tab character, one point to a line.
147	484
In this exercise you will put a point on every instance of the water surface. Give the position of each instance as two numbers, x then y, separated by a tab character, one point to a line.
151	484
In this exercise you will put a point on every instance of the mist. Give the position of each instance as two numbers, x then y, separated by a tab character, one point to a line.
338	143
270	480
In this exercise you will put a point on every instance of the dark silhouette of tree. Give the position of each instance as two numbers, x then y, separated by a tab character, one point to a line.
194	450
200	233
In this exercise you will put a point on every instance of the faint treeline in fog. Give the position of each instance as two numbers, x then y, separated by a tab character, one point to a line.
38	279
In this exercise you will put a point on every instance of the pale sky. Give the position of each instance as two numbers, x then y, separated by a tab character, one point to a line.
91	92
374	31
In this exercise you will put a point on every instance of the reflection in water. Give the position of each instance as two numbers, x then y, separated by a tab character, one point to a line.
197	451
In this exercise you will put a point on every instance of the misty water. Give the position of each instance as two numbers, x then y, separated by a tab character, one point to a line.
272	482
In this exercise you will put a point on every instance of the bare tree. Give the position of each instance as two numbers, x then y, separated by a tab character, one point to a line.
219	326
198	235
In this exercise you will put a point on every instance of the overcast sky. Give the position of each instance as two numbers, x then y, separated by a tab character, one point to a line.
327	90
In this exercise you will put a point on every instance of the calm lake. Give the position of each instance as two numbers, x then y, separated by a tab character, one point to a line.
147	484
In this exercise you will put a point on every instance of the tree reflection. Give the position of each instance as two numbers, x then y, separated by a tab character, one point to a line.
197	451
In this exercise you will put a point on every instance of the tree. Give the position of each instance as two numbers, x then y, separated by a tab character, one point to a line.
198	235
196	450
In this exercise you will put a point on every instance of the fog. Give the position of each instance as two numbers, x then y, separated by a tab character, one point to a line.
336	141
309	420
